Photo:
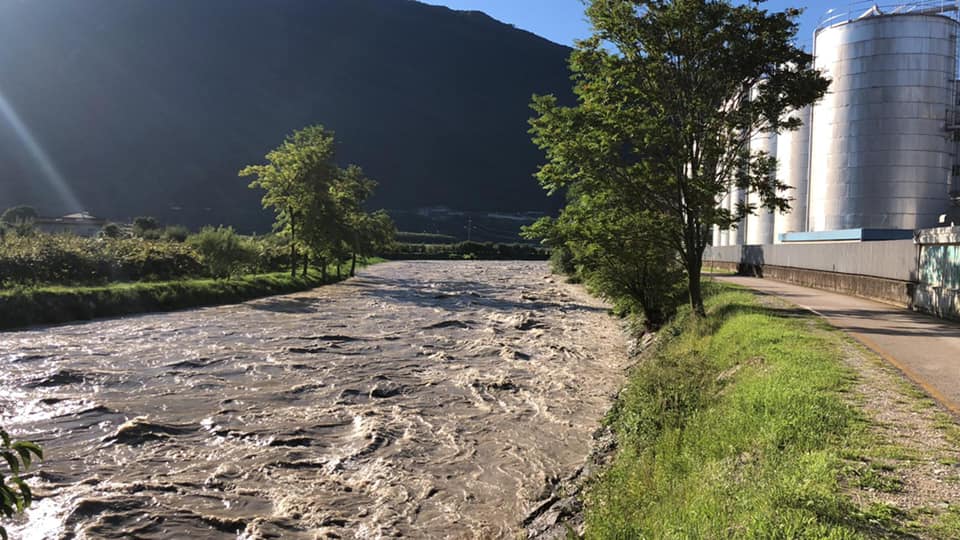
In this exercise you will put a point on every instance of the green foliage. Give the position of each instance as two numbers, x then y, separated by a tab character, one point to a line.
175	233
15	494
51	305
71	260
223	251
146	227
670	92
735	427
19	214
67	259
622	256
111	230
319	206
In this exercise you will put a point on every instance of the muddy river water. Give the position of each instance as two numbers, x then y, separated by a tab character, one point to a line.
420	399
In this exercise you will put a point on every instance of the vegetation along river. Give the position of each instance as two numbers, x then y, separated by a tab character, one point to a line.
424	399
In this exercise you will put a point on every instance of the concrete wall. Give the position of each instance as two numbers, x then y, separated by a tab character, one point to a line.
896	259
884	271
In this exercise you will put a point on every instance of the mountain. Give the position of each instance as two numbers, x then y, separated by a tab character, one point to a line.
150	107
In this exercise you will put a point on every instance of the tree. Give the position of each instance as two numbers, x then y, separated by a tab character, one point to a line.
15	495
224	252
669	94
146	227
620	256
319	206
296	180
18	215
111	230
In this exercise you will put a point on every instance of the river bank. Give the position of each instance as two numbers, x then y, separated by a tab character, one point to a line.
420	399
28	306
762	422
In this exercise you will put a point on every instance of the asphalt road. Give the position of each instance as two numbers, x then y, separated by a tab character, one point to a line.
925	348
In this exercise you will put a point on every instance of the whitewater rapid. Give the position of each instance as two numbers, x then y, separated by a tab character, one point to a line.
421	399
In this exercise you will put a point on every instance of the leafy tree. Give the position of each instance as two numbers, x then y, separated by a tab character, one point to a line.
223	251
620	256
669	94
319	206
111	230
15	495
19	214
175	233
296	181
146	227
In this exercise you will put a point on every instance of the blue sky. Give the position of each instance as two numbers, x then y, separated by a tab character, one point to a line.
563	20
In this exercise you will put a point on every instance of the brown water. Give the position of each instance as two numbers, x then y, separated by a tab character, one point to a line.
426	399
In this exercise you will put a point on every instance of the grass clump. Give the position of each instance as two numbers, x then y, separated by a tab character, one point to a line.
736	427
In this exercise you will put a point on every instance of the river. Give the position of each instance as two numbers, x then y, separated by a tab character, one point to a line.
420	399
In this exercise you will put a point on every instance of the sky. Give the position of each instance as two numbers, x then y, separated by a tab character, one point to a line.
563	21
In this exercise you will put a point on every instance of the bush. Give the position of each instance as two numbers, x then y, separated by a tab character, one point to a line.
146	227
175	233
65	259
223	251
111	230
15	495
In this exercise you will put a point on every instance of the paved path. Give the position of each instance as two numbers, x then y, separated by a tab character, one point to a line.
926	349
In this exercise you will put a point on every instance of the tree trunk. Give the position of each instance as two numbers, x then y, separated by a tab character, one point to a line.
293	247
338	270
323	270
694	267
306	264
353	265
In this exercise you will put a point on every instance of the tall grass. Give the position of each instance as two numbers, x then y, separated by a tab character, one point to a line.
734	428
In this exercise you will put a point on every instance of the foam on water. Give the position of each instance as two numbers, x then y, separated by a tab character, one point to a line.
419	399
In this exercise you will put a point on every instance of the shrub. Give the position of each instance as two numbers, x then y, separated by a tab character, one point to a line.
223	251
175	233
111	230
64	259
146	227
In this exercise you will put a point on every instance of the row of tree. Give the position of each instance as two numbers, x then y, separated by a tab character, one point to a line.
669	94
319	206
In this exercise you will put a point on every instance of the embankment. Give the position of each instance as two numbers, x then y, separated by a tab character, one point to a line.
22	307
754	423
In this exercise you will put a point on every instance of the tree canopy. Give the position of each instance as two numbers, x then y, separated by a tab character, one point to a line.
319	206
669	94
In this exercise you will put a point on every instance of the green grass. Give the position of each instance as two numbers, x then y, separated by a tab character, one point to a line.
21	307
737	427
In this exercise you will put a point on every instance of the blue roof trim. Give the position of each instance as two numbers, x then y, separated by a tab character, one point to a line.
848	235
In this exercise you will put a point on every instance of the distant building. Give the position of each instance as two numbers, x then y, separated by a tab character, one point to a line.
80	224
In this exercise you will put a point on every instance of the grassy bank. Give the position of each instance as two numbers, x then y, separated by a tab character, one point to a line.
745	425
21	307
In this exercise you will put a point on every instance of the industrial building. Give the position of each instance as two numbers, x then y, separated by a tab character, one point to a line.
875	168
879	151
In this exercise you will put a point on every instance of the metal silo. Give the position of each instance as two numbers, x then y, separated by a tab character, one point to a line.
793	158
881	153
737	236
760	225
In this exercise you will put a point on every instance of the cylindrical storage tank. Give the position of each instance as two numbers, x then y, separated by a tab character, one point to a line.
736	236
715	236
793	158
723	235
760	223
881	155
